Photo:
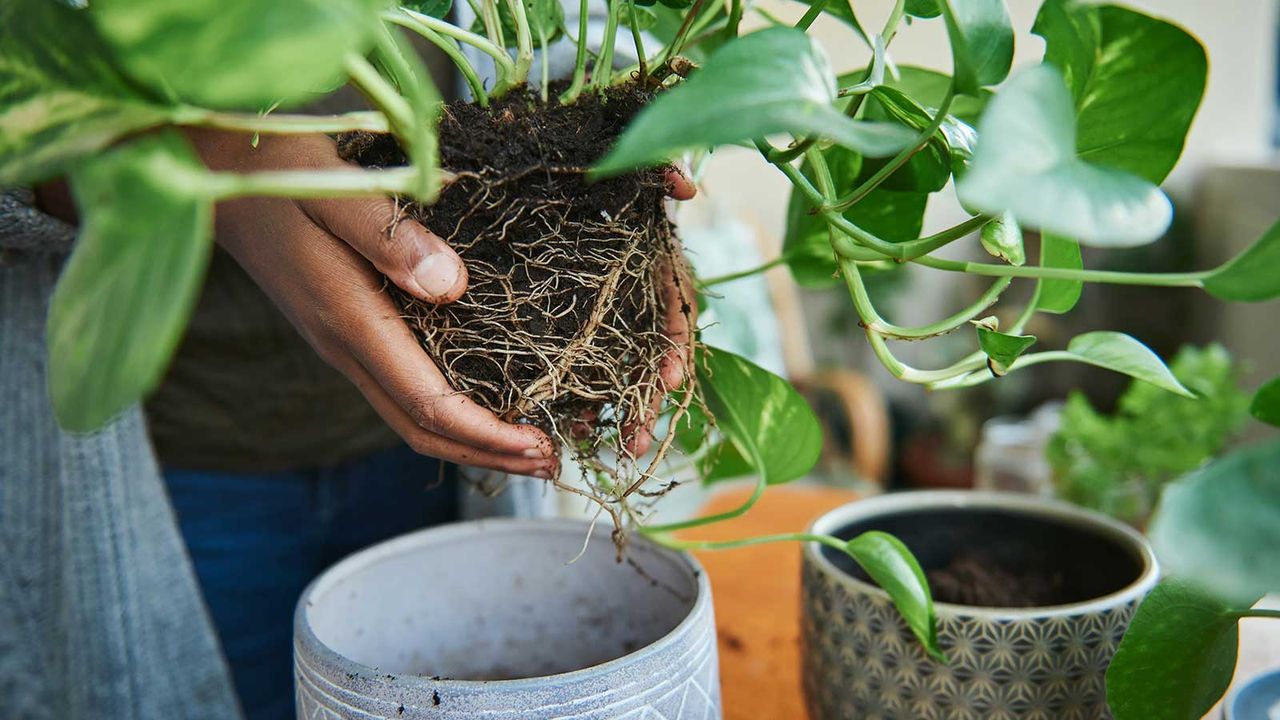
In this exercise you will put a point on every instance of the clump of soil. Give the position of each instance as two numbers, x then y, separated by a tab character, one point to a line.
570	280
973	578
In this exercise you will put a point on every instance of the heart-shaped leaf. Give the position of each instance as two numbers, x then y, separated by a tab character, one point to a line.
889	215
238	54
1136	82
1177	657
1123	354
772	81
123	300
435	8
1003	239
923	8
892	566
1000	348
1025	163
1266	403
62	98
1220	525
1251	276
927	170
981	42
770	424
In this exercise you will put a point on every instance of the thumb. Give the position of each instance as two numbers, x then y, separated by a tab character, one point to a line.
417	260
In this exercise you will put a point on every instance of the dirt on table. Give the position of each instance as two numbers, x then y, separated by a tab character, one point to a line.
974	578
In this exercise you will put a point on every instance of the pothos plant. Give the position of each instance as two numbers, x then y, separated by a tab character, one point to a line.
1073	147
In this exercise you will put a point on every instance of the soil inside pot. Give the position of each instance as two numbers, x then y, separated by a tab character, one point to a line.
991	558
563	322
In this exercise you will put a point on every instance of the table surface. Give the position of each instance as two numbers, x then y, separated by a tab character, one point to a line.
757	602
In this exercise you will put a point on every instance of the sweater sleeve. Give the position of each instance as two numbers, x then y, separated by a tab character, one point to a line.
25	228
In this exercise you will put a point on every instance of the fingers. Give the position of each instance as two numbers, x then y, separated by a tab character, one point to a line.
681	312
639	434
415	259
680	187
435	445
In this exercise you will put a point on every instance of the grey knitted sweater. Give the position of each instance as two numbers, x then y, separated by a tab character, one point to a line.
100	613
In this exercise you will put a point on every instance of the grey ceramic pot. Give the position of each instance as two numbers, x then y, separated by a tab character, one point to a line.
1043	663
492	619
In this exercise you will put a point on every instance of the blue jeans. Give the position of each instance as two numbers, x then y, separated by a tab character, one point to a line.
258	539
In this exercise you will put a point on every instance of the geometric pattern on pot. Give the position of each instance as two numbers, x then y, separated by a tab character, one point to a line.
862	662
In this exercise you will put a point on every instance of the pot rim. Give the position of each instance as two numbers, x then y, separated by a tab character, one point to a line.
417	540
1030	505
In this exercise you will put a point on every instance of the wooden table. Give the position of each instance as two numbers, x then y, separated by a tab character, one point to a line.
757	599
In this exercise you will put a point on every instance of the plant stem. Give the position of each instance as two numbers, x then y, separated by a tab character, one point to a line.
602	70
710	519
451	48
675	544
1259	613
730	277
545	64
735	19
419	22
941	327
492	20
677	43
372	84
367	120
902	157
524	41
815	9
416	131
580	63
314	184
636	37
1188	279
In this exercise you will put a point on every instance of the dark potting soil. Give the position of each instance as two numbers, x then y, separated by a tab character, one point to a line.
564	311
974	578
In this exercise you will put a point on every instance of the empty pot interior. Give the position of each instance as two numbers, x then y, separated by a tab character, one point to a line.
1091	561
499	601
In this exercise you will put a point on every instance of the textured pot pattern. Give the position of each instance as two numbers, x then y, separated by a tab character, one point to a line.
862	663
341	674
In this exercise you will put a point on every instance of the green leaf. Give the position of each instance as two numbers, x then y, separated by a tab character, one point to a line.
772	81
1003	239
438	9
1220	525
892	566
893	216
724	462
1136	82
981	42
1177	657
928	170
923	8
123	300
1251	276
929	87
237	54
1000	348
842	10
1123	354
769	423
644	19
1059	296
1025	163
61	99
1266	403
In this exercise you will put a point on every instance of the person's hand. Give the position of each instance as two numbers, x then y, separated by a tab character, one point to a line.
322	262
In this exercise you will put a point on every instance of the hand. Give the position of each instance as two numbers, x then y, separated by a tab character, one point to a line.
322	262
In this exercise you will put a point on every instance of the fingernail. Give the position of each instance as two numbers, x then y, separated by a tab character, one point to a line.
437	273
542	474
535	452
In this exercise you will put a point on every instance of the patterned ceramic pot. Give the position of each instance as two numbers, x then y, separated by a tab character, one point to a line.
491	619
1045	663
